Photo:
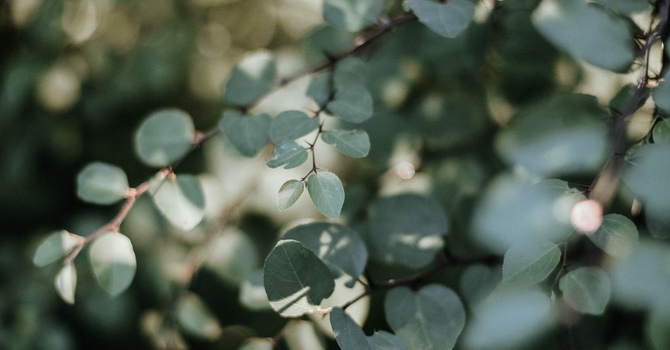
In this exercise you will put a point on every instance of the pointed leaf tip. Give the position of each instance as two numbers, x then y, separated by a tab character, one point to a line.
327	193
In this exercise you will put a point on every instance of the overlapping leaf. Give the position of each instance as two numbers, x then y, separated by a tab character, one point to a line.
351	15
180	199
530	262
113	261
290	125
617	235
289	193
288	154
55	247
586	289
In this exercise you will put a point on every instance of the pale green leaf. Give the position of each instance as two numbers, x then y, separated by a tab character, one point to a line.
445	18
352	143
288	154
586	31
180	199
66	282
658	222
617	235
586	289
290	125
348	334
249	134
252	292
295	279
352	15
661	131
195	318
407	229
55	247
101	183
431	318
251	79
626	7
352	104
327	193
113	261
289	193
258	344
164	137
530	262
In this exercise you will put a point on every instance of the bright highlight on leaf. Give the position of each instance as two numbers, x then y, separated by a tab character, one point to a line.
251	79
447	19
352	143
164	137
101	183
113	261
289	193
586	289
195	318
66	282
180	199
55	247
327	193
527	263
289	154
249	134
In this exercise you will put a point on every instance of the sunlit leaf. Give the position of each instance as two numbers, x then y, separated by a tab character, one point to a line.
113	261
351	15
302	334
290	125
289	154
352	104
101	183
327	193
617	235
251	79
55	247
431	318
164	137
289	193
66	282
249	134
352	143
252	292
295	279
586	31
348	334
447	19
586	289
530	262
196	319
407	229
258	344
179	199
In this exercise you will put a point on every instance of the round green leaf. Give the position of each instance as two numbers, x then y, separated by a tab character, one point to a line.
382	340
347	333
180	199
289	154
66	282
290	125
658	222
113	262
295	279
55	247
327	41
431	318
352	104
477	283
586	289
164	137
327	193
195	318
661	94
350	71
586	31
289	193
351	15
617	235
352	143
445	18
249	134
251	79
101	183
661	132
646	173
657	329
407	229
252	292
530	262
320	89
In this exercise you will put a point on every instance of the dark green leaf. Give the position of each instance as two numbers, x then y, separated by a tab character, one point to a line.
196	319
289	193
431	318
327	41
164	137
352	104
352	143
327	193
348	334
296	280
586	31
658	222
320	89
382	340
646	173
530	262
350	71
625	7
55	247
113	261
289	154
661	132
661	93
447	19
252	292
351	15
290	125
180	199
657	329
251	79
66	282
617	235
249	134
586	289
407	229
477	282
101	183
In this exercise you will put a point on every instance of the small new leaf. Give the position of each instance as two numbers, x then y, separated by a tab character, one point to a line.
352	143
113	261
289	193
289	154
55	247
327	193
101	183
164	137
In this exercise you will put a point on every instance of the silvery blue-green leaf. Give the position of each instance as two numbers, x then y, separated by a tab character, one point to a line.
66	282
327	193
657	329
477	282
352	15
195	318
352	143
661	93
407	229
113	261
661	131
350	71
290	125
382	340
101	183
55	247
445	18
232	256
249	134
430	318
586	31
289	154
164	137
626	7
352	104
180	199
326	41
658	222
320	89
530	262
586	289
295	279
251	79
617	235
289	193
348	334
258	344
645	173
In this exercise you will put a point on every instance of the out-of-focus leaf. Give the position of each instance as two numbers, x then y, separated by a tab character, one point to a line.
258	344
382	340
195	318
66	282
352	143
352	104
289	154
661	131
530	262
232	256
351	15
289	193
101	183
55	247
617	235
164	137
252	292
645	172
586	289
249	134
625	7
113	261
320	89
179	199
477	283
290	125
348	334
251	79
448	19
327	193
